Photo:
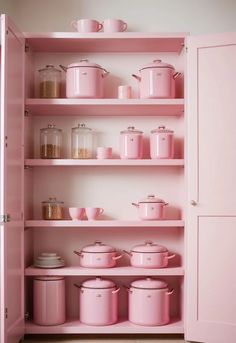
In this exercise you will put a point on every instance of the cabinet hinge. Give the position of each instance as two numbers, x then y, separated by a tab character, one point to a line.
27	316
6	312
4	218
26	113
186	49
27	48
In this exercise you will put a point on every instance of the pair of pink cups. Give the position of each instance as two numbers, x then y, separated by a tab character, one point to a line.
91	25
92	213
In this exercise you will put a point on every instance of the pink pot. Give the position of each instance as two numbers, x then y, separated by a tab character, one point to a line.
49	300
149	302
151	208
157	80
161	143
98	302
149	255
131	143
98	255
84	80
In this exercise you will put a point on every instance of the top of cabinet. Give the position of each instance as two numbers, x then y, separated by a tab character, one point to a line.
105	42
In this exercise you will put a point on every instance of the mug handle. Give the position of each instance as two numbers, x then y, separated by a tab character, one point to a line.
124	26
101	211
100	27
74	24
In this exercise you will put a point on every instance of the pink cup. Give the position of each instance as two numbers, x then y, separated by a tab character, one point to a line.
76	213
114	25
86	25
124	92
93	212
104	152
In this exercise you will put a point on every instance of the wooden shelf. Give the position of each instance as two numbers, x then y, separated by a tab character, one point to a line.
104	223
74	326
105	42
117	271
109	162
105	107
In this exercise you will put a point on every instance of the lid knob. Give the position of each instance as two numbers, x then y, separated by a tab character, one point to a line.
148	243
84	60
97	242
51	126
131	128
157	61
162	127
151	196
49	66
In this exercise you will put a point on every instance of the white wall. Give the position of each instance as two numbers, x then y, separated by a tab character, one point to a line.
194	16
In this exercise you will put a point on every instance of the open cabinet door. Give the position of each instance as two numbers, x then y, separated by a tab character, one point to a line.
211	170
11	183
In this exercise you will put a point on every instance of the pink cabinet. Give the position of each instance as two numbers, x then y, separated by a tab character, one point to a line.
210	208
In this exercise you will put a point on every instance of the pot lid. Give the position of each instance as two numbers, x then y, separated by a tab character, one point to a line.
131	129
149	283
162	129
84	63
98	247
148	247
157	64
50	67
98	283
152	199
49	278
52	201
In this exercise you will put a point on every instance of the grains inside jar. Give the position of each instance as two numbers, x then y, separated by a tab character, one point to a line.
81	153
52	209
50	151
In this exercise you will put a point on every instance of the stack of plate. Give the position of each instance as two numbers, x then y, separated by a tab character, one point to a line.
49	260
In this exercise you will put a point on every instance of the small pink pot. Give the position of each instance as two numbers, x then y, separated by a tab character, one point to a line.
151	208
98	255
98	302
131	143
149	302
84	80
149	255
161	143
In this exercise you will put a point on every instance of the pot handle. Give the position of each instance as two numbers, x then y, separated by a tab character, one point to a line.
127	252
105	73
136	205
78	286
77	253
127	288
137	77
166	203
177	74
116	257
170	292
170	256
62	67
116	290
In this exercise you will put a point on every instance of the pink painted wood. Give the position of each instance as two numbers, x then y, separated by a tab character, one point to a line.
11	175
211	208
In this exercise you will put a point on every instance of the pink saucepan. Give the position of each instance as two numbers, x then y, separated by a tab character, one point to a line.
149	255
151	208
98	255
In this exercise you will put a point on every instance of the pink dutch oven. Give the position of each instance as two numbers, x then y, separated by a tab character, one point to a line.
151	208
84	80
149	255
149	302
98	255
157	80
98	302
162	143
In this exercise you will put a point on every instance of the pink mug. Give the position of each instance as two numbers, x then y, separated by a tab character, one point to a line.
114	25
76	213
86	25
93	212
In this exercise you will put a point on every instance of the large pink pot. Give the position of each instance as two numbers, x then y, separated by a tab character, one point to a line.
98	302
98	255
49	300
149	255
84	80
131	143
151	208
149	302
157	80
161	143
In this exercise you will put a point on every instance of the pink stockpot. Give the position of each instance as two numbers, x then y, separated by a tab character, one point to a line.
149	302
98	302
131	143
84	80
149	255
161	143
98	255
49	300
157	80
151	208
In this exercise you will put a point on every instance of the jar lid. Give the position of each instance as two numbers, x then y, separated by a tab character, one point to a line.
84	63
131	129
81	127
98	247
149	283
49	278
52	201
50	128
157	64
162	129
148	247
98	283
151	199
50	67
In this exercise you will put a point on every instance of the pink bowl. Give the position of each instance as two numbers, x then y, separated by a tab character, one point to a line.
76	213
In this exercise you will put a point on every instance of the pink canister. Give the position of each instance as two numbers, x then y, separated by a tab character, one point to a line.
49	300
131	143
162	143
149	302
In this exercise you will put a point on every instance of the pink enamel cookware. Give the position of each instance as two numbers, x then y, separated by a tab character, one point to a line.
84	80
131	143
149	255
162	143
98	302
157	80
149	301
151	208
98	255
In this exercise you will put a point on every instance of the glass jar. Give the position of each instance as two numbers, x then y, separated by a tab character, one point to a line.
52	209
81	142
49	82
50	142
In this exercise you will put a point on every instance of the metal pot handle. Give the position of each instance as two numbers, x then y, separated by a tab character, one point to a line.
170	292
62	67
136	205
116	290
127	252
166	203
77	253
177	74
78	286
170	256
117	257
105	72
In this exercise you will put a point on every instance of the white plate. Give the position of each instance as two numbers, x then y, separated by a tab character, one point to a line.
59	265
